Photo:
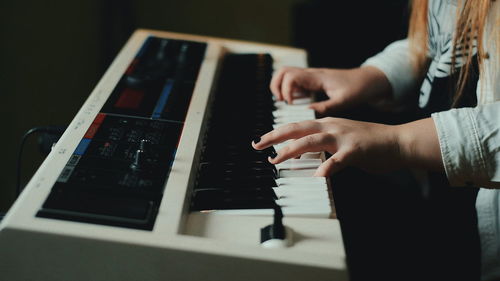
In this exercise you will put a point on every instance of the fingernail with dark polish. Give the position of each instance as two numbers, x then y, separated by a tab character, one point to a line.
273	154
256	140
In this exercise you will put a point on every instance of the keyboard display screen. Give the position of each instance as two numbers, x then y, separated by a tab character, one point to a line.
159	82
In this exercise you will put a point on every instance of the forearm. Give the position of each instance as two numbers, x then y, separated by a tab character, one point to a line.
396	65
375	87
419	145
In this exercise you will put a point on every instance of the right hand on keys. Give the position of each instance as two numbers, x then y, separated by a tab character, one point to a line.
370	146
344	87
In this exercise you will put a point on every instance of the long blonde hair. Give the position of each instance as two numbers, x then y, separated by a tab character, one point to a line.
470	26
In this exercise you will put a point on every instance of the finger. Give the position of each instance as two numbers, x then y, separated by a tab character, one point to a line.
288	86
276	81
332	165
294	130
325	107
310	143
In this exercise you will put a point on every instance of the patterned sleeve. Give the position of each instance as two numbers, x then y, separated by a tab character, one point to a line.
394	62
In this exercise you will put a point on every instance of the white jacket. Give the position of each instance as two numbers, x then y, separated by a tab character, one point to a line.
469	137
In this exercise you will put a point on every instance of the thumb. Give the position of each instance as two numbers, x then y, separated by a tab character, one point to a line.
324	107
332	165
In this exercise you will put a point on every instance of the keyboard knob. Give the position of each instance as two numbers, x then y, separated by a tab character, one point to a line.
139	160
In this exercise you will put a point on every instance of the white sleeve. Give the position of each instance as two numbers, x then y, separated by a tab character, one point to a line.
394	62
469	139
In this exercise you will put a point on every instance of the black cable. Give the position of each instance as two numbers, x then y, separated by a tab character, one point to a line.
45	129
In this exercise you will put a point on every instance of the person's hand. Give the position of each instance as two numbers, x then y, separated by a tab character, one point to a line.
369	146
345	88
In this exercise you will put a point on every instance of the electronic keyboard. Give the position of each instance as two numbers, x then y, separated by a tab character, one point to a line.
156	179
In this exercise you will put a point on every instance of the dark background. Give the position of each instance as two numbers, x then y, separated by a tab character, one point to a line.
52	53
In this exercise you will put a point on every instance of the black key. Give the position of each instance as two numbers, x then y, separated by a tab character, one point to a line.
220	172
232	175
238	165
238	182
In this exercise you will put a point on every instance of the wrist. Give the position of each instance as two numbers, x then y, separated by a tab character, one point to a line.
418	145
404	145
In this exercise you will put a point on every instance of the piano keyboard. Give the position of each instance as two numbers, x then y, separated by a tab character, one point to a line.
156	178
236	179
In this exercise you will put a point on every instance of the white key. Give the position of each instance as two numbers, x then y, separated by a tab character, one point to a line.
301	180
320	211
302	113
297	107
302	194
308	197
298	164
300	188
297	173
302	99
278	104
299	99
285	202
